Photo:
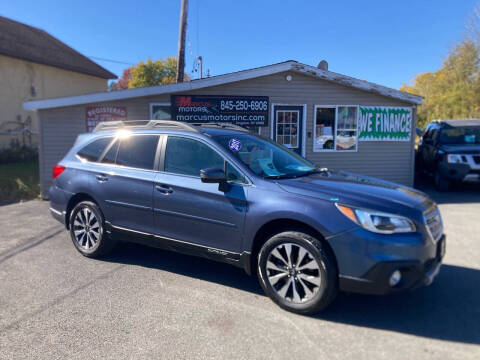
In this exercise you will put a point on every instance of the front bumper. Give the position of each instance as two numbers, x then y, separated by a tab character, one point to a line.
459	172
366	260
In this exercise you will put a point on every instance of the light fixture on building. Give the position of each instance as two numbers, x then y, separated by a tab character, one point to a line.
288	77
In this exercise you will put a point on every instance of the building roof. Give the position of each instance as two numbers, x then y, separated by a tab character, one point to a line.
25	42
290	65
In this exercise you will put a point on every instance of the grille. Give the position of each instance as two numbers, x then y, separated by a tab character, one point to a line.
433	221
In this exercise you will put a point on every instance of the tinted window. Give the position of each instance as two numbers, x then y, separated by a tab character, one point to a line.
138	151
92	151
111	154
233	175
187	157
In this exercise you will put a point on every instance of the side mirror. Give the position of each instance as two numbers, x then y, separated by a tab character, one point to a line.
212	175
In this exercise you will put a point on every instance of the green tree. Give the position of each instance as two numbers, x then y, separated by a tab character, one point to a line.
151	73
454	90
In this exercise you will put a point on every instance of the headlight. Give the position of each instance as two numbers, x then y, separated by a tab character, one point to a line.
454	158
378	222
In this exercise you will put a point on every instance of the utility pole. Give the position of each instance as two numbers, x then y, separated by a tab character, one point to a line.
200	60
181	40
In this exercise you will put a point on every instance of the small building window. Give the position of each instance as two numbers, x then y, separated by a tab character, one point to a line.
335	128
160	111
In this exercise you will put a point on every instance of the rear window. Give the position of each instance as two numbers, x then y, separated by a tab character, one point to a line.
138	151
92	151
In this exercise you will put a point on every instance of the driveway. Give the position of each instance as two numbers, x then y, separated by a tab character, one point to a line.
147	303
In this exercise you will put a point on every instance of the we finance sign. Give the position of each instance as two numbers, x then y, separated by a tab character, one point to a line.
381	123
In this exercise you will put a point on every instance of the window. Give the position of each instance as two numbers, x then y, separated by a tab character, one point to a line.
233	175
187	156
111	154
92	151
137	151
335	128
287	128
160	111
265	157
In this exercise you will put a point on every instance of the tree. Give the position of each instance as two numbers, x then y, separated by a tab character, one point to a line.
454	90
151	73
122	83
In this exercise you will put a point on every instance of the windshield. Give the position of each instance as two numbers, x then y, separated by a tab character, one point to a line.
460	135
265	157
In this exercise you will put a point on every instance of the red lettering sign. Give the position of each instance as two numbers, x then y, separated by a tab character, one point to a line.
96	114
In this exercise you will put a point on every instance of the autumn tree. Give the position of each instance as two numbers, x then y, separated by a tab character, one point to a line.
452	91
122	83
148	73
151	73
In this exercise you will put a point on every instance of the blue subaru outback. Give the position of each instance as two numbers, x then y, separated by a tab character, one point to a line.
220	192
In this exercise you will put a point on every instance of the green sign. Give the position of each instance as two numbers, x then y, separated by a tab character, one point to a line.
380	123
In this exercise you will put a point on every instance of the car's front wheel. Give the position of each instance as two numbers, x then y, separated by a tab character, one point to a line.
297	272
87	230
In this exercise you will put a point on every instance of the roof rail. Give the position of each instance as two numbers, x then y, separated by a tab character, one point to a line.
145	124
221	125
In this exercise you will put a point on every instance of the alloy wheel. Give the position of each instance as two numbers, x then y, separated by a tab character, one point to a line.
293	272
86	228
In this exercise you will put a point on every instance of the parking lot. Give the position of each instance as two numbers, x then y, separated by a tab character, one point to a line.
148	303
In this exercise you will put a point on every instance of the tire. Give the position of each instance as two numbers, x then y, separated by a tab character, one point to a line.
87	230
305	282
441	184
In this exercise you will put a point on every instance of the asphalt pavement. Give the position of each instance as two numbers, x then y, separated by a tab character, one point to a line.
144	303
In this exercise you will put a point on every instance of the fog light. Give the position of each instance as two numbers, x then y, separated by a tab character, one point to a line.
395	278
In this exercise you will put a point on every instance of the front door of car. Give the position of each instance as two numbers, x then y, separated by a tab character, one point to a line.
124	182
189	210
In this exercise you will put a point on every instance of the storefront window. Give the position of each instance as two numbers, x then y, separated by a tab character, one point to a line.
335	128
160	111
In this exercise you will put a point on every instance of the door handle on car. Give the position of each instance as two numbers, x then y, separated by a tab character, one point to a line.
101	177
164	189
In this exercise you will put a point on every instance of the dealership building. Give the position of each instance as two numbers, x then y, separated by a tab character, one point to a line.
334	120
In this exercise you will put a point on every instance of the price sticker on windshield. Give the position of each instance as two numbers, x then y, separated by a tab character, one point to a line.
235	145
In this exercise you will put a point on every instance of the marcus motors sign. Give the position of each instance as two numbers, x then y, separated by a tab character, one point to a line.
238	110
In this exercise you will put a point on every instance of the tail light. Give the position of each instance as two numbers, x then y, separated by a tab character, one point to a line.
57	171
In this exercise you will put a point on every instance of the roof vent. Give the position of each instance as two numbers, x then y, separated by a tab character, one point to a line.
323	65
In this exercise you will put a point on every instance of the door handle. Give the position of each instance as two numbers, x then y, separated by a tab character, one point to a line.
164	189
101	177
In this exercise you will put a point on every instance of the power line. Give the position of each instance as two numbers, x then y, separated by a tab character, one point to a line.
110	60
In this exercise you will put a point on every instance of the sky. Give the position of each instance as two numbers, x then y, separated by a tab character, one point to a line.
385	42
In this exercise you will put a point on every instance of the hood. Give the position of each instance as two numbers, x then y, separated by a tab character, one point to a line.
461	149
357	190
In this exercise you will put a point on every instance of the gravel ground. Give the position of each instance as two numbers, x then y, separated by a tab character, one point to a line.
143	303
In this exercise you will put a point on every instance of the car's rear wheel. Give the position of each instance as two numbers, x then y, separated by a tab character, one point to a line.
87	230
297	272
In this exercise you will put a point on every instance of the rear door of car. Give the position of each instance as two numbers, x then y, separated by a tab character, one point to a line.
124	181
188	210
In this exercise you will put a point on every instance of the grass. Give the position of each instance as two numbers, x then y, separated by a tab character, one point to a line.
19	182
